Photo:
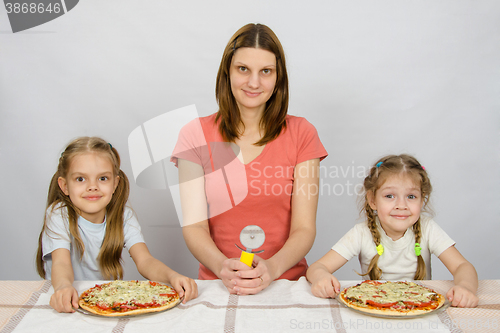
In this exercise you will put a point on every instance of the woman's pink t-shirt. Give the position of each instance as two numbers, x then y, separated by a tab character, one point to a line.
258	193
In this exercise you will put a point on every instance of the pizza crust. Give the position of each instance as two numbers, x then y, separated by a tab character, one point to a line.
107	313
94	309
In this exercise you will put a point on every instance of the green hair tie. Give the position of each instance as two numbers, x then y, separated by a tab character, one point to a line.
418	249
380	249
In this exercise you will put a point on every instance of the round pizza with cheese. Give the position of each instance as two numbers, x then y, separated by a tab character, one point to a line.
125	298
400	298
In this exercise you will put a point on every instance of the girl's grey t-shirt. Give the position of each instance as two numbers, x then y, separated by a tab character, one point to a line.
57	236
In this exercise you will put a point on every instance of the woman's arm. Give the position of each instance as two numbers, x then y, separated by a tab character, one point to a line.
195	225
195	217
154	270
65	296
463	294
303	222
302	231
201	245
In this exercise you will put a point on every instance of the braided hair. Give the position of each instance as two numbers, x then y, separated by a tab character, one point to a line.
379	173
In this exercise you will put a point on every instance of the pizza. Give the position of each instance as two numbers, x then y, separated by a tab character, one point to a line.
391	298
125	298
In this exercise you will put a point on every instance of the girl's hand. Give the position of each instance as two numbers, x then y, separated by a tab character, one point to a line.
251	281
64	299
463	294
229	273
326	287
184	286
324	284
462	297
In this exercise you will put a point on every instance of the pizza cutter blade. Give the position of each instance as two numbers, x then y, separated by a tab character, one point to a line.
251	237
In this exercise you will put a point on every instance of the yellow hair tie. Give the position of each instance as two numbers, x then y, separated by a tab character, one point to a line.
417	249
380	249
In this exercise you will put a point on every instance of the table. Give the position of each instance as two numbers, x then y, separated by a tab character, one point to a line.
285	306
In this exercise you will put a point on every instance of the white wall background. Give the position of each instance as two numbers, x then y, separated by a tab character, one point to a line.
374	77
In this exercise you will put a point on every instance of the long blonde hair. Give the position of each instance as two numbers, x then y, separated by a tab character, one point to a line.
385	167
109	258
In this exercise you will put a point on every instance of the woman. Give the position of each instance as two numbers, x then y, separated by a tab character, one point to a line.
275	154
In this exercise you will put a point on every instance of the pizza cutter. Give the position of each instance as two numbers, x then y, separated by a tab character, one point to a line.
251	237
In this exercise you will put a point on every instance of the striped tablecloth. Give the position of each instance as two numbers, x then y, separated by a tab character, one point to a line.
286	306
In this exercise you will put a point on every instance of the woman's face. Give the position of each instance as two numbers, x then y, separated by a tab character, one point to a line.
253	78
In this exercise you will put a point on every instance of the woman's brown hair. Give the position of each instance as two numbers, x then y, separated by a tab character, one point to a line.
109	258
273	120
385	167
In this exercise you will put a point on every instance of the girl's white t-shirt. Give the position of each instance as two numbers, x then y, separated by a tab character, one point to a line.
398	262
57	236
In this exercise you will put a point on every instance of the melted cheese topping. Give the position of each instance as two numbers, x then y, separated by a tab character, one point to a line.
129	292
390	292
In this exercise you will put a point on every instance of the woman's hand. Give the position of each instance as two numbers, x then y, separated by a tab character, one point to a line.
251	280
229	273
64	299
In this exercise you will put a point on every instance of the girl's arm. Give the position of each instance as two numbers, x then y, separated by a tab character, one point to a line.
154	270
463	294
301	237
65	296
324	284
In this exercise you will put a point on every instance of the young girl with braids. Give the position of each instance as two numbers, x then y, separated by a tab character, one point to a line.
396	240
87	225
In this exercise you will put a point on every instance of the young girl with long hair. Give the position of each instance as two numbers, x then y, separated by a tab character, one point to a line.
396	240
87	225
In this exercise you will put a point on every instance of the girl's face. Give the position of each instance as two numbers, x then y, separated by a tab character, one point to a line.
398	202
90	184
253	77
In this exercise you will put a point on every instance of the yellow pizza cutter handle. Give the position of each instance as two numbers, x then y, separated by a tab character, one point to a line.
247	258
